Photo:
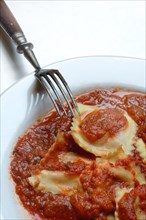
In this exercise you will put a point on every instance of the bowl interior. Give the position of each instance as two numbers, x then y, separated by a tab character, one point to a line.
25	102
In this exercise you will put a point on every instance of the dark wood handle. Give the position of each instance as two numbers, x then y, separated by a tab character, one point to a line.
7	20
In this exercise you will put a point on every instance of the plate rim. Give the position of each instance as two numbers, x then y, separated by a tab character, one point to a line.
68	59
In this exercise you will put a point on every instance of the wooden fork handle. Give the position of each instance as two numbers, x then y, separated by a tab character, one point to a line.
8	21
12	28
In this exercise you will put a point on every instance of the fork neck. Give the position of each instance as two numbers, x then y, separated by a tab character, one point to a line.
25	48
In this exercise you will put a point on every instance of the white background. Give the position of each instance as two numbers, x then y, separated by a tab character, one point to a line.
64	29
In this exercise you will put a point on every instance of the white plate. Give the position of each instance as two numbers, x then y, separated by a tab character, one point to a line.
24	102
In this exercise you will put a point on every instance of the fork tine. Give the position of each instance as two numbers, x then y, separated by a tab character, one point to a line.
50	95
68	89
56	93
63	93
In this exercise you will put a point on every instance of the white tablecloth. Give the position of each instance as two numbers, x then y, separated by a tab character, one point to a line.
65	29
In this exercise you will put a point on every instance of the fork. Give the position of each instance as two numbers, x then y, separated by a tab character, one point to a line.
50	79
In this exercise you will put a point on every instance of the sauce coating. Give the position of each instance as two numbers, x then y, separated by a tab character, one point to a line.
96	202
98	123
128	202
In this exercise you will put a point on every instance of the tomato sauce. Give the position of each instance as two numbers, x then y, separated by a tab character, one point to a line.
96	202
98	123
126	210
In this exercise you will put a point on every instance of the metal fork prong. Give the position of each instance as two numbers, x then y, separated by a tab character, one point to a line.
63	93
50	95
56	93
68	90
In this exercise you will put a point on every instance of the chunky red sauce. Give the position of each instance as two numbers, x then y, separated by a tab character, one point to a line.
96	202
127	204
98	123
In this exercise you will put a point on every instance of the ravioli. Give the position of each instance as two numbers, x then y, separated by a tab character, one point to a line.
73	158
141	148
124	175
58	181
128	201
102	131
119	194
139	176
55	182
